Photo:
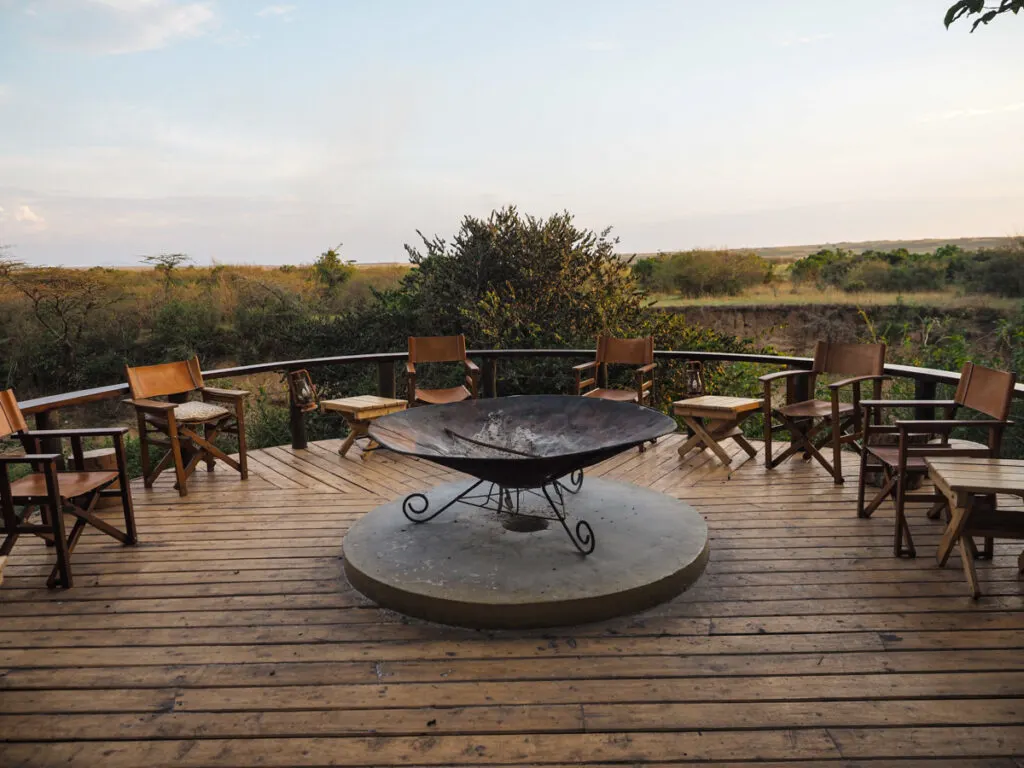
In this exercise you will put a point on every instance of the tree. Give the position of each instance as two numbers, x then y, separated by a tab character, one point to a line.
65	304
514	280
166	263
331	272
985	13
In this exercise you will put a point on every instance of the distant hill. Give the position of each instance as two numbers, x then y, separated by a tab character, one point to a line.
793	252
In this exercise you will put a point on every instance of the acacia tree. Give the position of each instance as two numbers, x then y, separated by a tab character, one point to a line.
166	263
64	303
984	13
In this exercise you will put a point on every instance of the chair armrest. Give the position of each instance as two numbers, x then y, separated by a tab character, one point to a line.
585	366
472	367
216	393
908	403
28	458
783	375
646	368
410	368
88	432
152	406
856	380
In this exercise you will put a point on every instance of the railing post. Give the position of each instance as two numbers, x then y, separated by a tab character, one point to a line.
296	420
386	379
490	377
924	390
297	424
49	420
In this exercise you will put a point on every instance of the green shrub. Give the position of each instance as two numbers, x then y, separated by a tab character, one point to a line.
709	273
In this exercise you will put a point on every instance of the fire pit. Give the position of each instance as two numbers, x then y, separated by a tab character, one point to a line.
533	445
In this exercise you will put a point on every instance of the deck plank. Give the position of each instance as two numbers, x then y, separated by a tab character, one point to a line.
230	637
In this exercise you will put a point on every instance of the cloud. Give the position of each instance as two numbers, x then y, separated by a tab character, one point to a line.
283	11
119	26
26	215
955	114
806	40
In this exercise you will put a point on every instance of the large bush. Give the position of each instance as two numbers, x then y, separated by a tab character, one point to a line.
705	273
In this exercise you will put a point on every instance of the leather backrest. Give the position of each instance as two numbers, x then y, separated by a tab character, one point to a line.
165	378
437	349
986	390
11	418
849	359
625	351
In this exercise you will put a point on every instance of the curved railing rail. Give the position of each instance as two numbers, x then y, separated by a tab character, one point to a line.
43	408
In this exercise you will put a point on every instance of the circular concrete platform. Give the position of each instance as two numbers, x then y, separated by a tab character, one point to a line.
475	568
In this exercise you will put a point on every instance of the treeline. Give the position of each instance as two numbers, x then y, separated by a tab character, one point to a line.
699	273
996	271
63	329
508	280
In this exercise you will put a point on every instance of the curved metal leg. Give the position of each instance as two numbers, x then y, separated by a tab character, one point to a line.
420	500
583	537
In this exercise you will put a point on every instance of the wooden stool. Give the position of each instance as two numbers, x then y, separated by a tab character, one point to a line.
971	485
724	416
359	412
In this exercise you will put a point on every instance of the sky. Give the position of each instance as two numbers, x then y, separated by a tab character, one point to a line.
248	132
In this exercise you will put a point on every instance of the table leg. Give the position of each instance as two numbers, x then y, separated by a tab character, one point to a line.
356	429
742	442
953	531
967	556
693	441
708	440
348	442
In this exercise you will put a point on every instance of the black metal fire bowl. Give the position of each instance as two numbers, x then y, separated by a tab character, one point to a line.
526	441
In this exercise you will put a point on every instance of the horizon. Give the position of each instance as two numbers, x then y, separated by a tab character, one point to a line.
265	134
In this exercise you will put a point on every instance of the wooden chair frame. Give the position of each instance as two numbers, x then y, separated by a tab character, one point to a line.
81	490
186	447
815	424
440	349
637	352
983	390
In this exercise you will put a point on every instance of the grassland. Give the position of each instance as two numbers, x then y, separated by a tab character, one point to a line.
785	294
785	253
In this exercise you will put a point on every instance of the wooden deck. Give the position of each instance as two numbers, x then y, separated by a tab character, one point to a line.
229	637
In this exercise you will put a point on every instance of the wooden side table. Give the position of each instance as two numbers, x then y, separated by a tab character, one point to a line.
714	418
970	485
359	412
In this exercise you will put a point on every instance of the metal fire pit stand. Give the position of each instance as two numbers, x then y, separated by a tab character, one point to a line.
506	500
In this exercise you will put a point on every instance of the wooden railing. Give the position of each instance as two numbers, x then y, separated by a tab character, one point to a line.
45	408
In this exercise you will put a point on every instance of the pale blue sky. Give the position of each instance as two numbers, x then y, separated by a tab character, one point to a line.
257	132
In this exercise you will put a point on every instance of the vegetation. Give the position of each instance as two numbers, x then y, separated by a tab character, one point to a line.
506	281
984	13
998	271
66	329
703	273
